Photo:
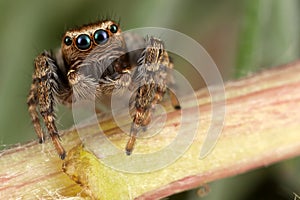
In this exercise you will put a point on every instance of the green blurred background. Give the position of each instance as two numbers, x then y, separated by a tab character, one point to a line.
241	36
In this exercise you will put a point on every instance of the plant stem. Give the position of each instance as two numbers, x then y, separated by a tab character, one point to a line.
261	127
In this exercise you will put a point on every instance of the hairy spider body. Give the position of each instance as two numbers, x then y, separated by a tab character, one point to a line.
94	60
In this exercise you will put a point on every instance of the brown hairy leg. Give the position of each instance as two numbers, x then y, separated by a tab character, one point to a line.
42	94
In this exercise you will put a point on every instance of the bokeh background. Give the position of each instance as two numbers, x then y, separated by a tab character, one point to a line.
242	36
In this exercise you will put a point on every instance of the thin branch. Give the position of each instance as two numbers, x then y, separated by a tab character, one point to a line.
261	127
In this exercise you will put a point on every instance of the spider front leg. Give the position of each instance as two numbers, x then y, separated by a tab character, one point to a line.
142	116
32	108
152	77
43	88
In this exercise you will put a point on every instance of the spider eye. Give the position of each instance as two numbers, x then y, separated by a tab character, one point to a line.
83	42
68	40
113	28
101	36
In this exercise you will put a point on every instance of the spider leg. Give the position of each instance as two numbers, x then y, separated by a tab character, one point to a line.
43	92
157	98
32	108
142	115
152	74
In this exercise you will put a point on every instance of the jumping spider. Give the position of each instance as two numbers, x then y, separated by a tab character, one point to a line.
96	55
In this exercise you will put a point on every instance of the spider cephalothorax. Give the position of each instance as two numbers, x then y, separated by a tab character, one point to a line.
94	60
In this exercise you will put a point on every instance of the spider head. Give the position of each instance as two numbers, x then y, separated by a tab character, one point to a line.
78	43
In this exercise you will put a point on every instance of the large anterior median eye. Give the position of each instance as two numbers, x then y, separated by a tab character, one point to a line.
83	42
101	36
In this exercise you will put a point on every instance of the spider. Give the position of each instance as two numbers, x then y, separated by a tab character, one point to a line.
95	56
